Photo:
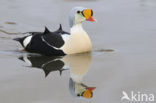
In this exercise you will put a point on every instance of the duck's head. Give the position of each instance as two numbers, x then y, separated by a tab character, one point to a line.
88	93
80	14
80	90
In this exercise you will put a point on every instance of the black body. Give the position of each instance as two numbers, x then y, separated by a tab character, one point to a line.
46	43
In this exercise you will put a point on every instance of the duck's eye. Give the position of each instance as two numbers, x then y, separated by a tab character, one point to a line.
78	12
78	95
91	12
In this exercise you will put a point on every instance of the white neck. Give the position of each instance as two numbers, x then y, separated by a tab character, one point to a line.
76	28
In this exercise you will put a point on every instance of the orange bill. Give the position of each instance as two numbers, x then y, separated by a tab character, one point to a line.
88	13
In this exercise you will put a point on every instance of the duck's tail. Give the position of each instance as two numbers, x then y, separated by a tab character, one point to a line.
20	40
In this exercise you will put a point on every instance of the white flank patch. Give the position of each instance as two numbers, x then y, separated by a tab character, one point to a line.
25	58
27	40
65	37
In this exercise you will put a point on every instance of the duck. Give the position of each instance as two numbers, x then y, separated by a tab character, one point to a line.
60	42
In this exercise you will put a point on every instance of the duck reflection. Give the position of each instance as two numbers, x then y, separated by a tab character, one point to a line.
78	65
47	64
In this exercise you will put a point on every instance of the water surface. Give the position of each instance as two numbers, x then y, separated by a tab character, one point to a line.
123	57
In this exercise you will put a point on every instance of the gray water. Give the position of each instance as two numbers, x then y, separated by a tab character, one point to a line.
123	57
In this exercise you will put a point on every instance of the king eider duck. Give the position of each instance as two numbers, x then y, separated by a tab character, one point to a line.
61	42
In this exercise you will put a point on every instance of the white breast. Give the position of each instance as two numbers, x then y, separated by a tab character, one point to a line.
78	41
